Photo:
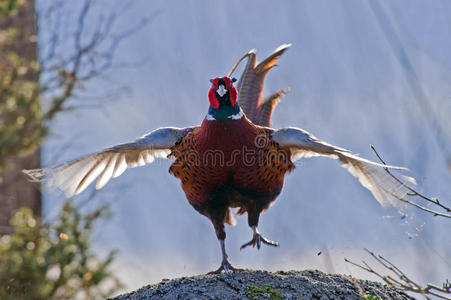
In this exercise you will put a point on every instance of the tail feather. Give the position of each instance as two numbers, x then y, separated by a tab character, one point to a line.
271	60
267	107
251	83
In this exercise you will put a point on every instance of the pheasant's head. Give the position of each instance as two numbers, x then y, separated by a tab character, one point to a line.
223	99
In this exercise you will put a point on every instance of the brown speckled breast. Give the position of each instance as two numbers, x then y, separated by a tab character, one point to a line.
266	176
237	154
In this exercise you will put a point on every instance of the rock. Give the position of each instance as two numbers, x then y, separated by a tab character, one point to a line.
266	285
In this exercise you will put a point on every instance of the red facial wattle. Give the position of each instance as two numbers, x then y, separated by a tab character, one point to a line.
233	94
211	94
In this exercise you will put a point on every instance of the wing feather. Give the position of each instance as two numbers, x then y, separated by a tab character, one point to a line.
120	166
75	176
107	172
370	174
90	176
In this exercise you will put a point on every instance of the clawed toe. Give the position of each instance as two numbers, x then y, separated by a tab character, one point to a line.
268	242
227	268
257	240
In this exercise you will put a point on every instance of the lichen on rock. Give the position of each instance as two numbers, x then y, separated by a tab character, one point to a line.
266	285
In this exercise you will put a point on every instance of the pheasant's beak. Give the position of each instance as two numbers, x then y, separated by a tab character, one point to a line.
221	90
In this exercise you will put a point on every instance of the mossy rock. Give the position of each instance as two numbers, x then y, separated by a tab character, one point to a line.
265	291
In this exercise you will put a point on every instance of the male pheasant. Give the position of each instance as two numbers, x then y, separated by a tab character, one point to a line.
232	160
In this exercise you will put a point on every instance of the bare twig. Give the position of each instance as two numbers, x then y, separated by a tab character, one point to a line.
413	193
77	47
401	281
91	56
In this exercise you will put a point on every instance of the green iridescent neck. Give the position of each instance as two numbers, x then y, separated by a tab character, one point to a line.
225	113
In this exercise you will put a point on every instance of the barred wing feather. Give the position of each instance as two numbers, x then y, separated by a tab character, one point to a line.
371	175
75	176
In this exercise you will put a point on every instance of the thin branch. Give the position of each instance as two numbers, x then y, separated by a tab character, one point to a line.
92	55
413	193
55	31
81	24
401	281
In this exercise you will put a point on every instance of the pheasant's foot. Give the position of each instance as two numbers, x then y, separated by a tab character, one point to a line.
226	267
258	239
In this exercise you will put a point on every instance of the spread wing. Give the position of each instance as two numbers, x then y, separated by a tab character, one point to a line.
75	176
251	83
371	175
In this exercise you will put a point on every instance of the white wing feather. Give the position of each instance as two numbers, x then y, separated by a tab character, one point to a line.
371	175
75	176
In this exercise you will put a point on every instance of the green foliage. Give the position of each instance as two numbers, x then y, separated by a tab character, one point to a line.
7	7
66	63
263	292
23	123
21	119
20	112
369	296
39	261
42	261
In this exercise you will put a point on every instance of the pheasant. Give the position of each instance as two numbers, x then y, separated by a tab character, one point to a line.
234	159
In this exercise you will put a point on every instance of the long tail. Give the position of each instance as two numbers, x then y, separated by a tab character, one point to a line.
251	83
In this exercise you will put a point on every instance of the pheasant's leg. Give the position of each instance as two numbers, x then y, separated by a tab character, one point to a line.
257	239
225	264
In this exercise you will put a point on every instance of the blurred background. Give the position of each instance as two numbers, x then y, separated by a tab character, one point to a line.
361	73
